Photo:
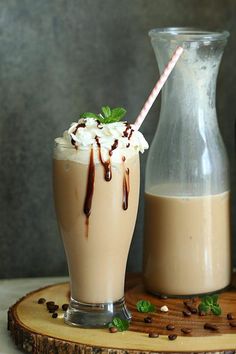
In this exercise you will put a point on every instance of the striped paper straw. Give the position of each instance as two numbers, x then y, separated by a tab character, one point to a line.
157	88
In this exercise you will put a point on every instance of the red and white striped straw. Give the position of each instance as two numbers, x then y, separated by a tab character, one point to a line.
157	88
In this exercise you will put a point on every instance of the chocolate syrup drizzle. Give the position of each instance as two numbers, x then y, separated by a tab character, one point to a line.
99	125
106	164
90	188
127	133
113	147
107	172
126	189
79	125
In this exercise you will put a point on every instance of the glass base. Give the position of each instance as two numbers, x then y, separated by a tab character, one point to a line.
95	315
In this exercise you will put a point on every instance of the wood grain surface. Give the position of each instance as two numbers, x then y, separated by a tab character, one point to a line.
35	331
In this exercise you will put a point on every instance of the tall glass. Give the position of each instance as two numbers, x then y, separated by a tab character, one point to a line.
96	206
187	228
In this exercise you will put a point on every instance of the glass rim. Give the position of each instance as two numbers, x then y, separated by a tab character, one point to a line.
188	34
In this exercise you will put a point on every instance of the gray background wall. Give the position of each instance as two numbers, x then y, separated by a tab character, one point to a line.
59	58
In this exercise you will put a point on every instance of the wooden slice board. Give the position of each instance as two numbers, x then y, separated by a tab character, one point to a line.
35	331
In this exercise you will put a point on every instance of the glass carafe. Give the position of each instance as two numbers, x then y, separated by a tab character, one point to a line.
187	227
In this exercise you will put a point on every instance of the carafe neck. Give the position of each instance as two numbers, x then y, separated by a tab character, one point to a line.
187	155
189	93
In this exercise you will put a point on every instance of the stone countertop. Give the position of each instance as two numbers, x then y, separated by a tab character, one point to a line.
10	292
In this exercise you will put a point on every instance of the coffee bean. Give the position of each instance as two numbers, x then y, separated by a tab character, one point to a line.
41	300
193	309
230	316
210	326
201	313
153	335
53	308
113	329
233	323
172	336
148	319
187	313
49	303
170	327
186	330
54	315
65	307
190	307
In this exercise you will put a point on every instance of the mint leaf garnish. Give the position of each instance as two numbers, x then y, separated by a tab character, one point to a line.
107	116
89	115
121	325
203	307
106	111
210	303
215	298
145	306
216	310
118	113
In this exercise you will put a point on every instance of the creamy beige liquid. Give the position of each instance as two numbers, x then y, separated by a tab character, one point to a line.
96	256
187	244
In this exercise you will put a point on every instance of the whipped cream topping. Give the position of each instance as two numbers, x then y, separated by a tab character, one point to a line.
115	140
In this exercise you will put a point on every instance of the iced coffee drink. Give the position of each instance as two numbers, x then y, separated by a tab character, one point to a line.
96	191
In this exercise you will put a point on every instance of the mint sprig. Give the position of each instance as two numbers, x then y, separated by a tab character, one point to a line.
108	115
121	325
210	304
145	306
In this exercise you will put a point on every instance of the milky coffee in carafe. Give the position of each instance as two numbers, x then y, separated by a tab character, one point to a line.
187	214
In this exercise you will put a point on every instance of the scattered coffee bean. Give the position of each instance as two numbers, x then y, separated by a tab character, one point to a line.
65	307
230	316
190	307
148	319
210	326
170	327
193	309
54	315
172	336
186	330
202	313
187	313
113	329
49	303
41	300
233	323
53	308
153	335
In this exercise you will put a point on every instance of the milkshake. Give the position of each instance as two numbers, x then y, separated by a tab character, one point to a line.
187	242
96	192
